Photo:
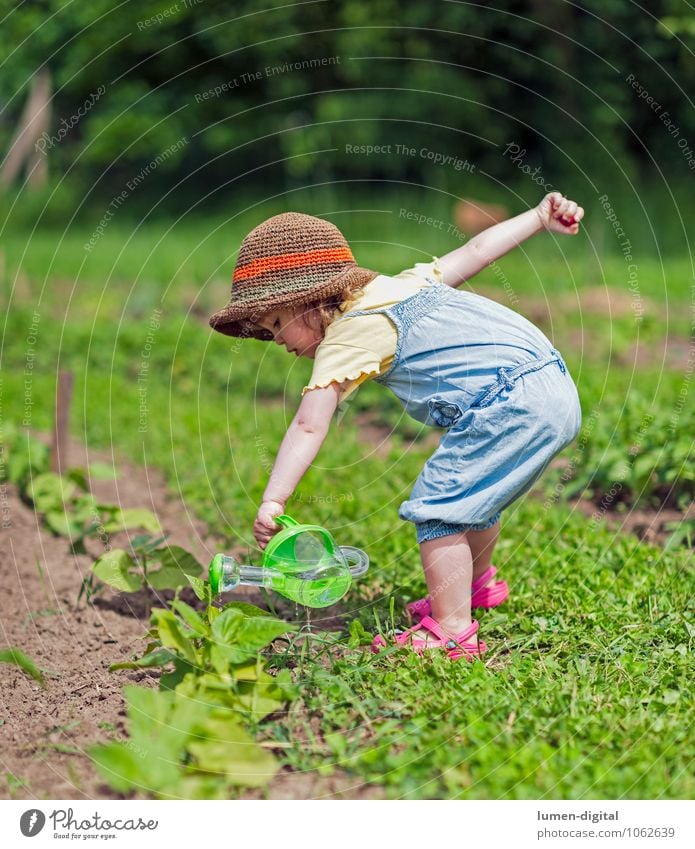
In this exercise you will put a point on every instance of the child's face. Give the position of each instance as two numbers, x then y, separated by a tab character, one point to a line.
289	328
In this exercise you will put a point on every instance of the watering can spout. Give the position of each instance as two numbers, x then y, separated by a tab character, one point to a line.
301	562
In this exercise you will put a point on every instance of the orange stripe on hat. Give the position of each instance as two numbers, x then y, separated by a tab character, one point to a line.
282	261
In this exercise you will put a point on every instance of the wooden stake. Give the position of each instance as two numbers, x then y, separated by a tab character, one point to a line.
33	122
59	452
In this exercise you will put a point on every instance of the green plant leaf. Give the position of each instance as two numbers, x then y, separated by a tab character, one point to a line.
120	766
150	714
113	568
246	671
176	557
28	456
63	523
146	543
358	635
224	649
102	471
191	617
132	517
177	564
259	631
160	724
245	607
171	680
18	658
232	753
166	579
78	477
261	698
158	657
226	626
238	636
85	507
171	634
50	491
201	588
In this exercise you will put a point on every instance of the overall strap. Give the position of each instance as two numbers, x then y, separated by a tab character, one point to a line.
373	311
418	302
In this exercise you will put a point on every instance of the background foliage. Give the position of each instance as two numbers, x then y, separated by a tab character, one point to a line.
449	77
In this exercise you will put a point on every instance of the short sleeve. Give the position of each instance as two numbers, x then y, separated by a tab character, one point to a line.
424	270
353	350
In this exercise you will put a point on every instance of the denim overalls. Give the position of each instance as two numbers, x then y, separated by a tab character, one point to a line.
493	379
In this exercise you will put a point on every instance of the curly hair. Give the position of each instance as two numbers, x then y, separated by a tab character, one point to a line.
326	309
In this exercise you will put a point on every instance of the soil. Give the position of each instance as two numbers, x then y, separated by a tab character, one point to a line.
45	733
649	526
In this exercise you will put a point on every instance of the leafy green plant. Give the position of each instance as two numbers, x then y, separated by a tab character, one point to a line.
131	571
68	507
70	510
23	456
639	458
190	739
178	748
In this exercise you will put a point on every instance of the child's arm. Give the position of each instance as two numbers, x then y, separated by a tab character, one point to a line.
301	444
554	213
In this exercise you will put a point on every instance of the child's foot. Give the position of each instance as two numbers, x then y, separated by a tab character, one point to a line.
485	592
428	640
429	634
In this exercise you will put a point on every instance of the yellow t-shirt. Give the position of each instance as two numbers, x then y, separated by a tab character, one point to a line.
356	348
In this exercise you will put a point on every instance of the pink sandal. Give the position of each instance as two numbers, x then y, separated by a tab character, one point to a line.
481	596
456	647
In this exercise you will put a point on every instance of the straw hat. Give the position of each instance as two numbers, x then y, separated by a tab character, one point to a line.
288	260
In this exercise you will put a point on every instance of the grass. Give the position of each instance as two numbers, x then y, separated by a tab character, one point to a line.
584	691
16	785
583	694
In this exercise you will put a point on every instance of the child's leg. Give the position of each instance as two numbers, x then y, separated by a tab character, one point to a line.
448	565
482	544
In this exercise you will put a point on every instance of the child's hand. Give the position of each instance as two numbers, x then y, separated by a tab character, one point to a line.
560	215
264	527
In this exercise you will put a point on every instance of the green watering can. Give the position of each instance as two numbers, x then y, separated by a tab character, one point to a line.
301	562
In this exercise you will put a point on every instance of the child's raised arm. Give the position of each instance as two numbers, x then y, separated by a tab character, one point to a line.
555	213
297	451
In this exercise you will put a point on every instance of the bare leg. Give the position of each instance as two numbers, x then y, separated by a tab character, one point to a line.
448	565
482	544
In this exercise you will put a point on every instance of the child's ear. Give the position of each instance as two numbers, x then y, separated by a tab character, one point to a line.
312	317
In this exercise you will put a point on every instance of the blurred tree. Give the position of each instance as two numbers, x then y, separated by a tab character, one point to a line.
277	94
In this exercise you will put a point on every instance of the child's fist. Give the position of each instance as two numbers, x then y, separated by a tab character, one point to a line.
264	527
559	215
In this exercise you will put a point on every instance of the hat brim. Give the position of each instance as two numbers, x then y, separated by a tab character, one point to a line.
240	319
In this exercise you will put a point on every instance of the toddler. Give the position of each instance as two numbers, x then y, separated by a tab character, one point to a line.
454	359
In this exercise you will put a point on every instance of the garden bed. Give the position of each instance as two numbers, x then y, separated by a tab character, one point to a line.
45	733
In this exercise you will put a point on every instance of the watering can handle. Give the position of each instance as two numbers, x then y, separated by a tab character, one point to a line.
285	520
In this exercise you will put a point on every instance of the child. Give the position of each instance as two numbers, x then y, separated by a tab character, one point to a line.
454	359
